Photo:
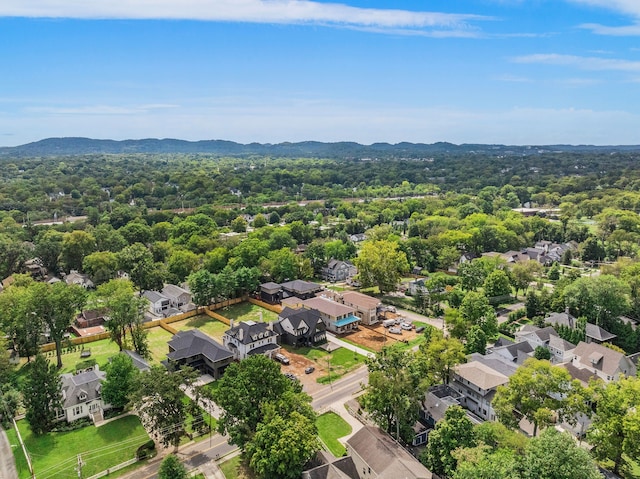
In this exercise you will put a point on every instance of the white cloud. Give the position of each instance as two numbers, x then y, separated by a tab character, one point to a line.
621	31
628	7
584	63
252	11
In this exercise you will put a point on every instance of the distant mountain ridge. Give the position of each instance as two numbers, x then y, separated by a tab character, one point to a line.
82	146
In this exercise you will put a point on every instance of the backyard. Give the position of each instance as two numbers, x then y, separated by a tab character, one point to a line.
210	326
247	312
54	455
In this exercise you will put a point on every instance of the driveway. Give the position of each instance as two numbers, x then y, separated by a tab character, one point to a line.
7	464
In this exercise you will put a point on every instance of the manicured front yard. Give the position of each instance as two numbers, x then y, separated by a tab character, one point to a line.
210	326
236	468
158	339
331	427
247	312
54	455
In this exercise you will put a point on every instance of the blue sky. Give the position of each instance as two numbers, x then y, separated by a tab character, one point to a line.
464	71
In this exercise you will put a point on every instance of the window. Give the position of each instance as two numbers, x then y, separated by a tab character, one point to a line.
77	410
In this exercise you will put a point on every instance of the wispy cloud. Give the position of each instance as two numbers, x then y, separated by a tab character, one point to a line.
583	63
99	109
252	11
629	8
513	79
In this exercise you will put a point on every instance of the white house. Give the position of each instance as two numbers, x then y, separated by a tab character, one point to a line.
81	395
248	338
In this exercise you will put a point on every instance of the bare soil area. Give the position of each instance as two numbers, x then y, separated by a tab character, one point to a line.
297	366
377	336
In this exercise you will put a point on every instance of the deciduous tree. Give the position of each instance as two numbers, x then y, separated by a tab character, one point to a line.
42	395
382	264
121	381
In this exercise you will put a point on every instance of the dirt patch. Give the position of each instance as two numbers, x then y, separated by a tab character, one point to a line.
298	364
377	336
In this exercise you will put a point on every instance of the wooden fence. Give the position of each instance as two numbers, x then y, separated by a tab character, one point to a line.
274	308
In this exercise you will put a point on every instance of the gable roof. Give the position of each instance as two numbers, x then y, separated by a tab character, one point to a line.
481	375
601	358
173	291
187	344
247	332
360	299
138	361
310	317
558	343
596	332
385	457
154	296
87	384
328	307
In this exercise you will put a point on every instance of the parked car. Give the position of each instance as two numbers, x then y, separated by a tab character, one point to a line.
291	376
395	330
406	326
419	329
281	358
388	322
309	370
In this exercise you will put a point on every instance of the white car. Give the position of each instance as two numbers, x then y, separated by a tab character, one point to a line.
395	330
406	326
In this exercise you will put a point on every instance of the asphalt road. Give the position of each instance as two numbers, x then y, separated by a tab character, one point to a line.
7	464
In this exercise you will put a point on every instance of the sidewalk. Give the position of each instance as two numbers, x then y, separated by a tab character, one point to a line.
332	339
7	464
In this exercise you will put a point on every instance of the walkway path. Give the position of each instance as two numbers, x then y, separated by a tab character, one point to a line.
7	464
351	347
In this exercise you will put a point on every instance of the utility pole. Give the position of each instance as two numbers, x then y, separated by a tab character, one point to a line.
79	468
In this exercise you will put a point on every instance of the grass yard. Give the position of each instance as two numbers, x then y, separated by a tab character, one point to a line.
247	312
206	418
101	351
54	455
236	468
206	324
331	427
158	339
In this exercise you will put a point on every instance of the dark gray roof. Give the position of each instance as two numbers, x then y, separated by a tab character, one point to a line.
270	285
187	344
301	287
154	296
342	468
515	351
311	317
138	361
597	333
385	457
247	332
75	386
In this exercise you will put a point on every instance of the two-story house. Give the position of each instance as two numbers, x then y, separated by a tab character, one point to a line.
195	349
81	395
337	317
337	270
178	297
366	306
604	362
477	382
300	327
249	338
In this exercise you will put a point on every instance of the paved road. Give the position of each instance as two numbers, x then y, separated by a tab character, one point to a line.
7	464
435	322
341	390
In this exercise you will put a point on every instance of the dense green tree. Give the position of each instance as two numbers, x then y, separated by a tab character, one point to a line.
615	431
101	266
476	340
56	305
601	299
381	264
286	438
48	249
438	356
394	392
172	468
476	310
481	462
158	401
472	275
42	395
121	381
541	393
137	260
453	432
75	246
497	284
555	455
241	392
125	310
181	264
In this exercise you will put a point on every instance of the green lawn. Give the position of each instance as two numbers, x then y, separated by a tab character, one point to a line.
204	323
54	455
247	312
158	339
341	361
236	468
207	419
101	351
331	427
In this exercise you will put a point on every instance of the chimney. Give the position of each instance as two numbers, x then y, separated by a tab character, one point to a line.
231	323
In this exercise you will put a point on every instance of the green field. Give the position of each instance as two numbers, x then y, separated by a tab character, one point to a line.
208	325
331	427
247	312
54	455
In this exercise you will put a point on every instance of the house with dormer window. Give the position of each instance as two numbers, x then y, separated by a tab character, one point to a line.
249	338
82	395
